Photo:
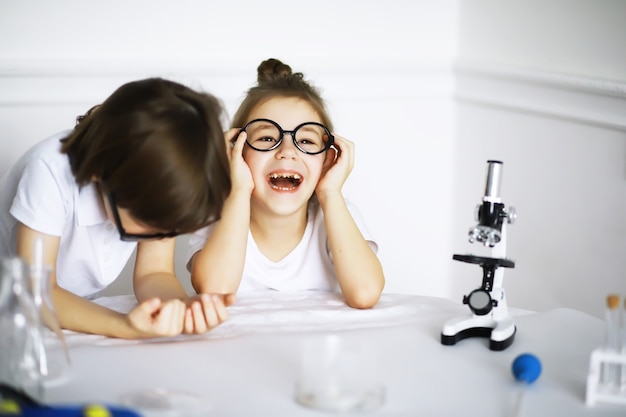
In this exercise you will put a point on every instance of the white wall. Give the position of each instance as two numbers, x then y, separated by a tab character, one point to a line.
384	67
578	37
542	86
429	90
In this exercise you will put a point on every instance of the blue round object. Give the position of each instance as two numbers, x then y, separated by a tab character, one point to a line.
526	367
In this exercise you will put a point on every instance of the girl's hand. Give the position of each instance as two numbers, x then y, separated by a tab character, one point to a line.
337	167
154	318
204	312
240	174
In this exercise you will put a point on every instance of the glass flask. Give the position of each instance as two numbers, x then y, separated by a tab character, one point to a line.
53	352
21	340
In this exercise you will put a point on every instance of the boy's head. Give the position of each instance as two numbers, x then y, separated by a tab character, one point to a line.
158	147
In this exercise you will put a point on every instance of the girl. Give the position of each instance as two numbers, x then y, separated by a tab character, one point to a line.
145	166
286	224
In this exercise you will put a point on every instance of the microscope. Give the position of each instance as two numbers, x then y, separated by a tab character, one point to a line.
490	316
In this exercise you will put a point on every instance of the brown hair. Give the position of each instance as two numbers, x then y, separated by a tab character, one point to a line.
275	79
159	147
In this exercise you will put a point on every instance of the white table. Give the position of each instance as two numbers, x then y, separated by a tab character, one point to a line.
248	365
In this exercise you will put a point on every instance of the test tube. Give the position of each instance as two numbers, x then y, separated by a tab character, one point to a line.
609	370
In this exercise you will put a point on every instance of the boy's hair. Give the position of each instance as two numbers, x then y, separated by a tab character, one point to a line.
158	146
275	79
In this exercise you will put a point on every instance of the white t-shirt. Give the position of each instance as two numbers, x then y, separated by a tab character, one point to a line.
40	191
308	266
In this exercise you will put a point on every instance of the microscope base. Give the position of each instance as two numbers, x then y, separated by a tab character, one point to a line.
501	333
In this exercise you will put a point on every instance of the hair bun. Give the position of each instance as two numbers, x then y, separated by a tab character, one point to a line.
271	69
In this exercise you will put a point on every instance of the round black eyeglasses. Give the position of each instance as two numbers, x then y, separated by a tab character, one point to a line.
310	138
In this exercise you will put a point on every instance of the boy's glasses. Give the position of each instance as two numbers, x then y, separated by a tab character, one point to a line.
310	138
133	237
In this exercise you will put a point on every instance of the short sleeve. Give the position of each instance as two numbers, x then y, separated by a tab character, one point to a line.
39	202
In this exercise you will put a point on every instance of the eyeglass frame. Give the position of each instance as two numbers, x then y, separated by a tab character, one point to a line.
133	237
327	146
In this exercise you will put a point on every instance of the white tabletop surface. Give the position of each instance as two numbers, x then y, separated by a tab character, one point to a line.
248	365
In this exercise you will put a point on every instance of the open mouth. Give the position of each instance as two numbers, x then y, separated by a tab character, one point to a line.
285	181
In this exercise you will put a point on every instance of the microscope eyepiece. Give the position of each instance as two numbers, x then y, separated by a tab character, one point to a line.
492	183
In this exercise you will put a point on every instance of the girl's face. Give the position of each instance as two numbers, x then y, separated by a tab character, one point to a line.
284	178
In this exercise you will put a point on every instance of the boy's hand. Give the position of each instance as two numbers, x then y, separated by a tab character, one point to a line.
153	317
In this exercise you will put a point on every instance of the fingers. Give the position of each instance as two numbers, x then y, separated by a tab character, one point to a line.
156	318
140	317
340	153
204	314
169	322
196	318
241	177
231	135
239	142
188	325
147	308
343	146
234	137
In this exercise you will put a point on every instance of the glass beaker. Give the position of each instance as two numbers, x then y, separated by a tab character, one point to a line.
339	372
21	339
